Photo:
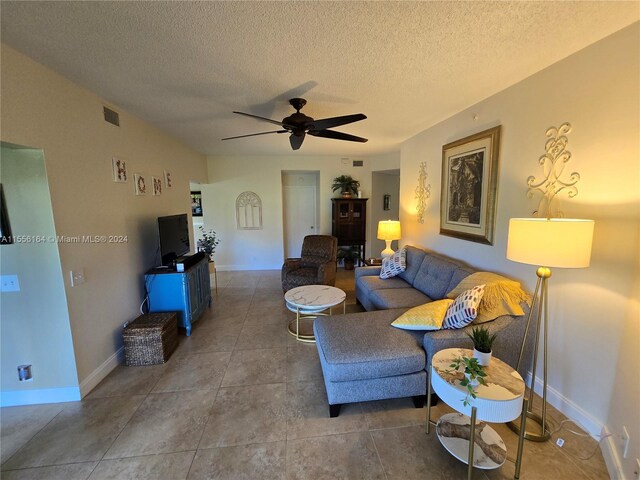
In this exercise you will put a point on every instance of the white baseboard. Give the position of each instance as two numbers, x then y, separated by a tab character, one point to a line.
95	377
592	425
611	457
34	397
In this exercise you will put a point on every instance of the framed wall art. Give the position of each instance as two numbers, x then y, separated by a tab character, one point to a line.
196	204
469	187
386	202
140	184
119	167
168	180
157	186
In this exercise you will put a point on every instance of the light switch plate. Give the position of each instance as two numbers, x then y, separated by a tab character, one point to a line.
77	277
10	283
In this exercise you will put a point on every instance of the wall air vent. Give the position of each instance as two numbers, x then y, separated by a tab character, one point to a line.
358	163
112	116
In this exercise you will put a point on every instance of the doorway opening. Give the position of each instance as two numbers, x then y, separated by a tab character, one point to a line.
300	205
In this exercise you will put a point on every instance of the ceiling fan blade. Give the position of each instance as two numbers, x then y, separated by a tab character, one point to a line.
296	140
338	136
325	123
275	122
254	134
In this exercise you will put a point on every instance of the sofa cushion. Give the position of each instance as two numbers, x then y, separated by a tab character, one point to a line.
376	283
362	345
397	298
415	256
459	274
424	317
434	276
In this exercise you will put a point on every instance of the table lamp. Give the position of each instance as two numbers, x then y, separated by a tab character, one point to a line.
388	230
546	242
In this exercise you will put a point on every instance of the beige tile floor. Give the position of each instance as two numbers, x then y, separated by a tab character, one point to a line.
241	399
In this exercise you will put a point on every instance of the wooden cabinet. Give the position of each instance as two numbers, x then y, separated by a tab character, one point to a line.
187	293
349	222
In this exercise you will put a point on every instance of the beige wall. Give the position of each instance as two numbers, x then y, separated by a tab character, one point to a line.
230	176
35	321
41	109
594	341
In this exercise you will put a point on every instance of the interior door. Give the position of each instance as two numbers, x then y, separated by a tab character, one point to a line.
299	217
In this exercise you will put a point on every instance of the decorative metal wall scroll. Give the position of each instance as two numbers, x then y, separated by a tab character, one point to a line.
553	163
423	191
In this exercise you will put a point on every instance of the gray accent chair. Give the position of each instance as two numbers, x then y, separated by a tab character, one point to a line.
316	265
364	358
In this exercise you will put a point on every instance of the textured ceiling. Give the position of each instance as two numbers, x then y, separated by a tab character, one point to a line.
184	66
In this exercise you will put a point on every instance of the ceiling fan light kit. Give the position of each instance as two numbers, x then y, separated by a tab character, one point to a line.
298	125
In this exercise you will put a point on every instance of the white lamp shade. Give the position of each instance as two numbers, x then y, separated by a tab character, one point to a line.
389	230
554	242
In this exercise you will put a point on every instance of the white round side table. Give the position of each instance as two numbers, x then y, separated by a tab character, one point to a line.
307	302
499	401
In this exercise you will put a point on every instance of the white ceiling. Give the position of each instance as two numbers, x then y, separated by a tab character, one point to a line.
185	66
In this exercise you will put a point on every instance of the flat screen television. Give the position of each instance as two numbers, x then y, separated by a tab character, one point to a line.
174	237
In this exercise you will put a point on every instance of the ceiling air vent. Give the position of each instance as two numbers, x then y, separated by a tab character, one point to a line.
358	163
112	116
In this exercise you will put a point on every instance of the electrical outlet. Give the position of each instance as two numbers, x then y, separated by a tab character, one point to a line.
10	283
77	277
625	442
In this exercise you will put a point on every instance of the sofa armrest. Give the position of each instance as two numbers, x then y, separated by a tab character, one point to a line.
327	273
291	264
367	271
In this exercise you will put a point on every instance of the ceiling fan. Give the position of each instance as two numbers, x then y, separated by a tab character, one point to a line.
298	125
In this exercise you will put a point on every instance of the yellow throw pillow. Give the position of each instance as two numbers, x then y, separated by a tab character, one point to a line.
502	296
424	317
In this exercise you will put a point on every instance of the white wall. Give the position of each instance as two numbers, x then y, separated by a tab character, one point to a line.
35	322
594	340
230	176
43	110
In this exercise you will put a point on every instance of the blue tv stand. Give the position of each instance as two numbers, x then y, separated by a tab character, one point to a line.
187	293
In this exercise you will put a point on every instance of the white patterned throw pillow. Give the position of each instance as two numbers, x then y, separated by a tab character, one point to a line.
394	265
462	312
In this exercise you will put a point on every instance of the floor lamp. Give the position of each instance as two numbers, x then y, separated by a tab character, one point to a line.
388	230
545	242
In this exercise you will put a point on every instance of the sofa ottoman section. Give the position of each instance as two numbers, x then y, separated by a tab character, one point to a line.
364	359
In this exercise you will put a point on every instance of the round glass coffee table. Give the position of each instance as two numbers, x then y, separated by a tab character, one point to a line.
308	302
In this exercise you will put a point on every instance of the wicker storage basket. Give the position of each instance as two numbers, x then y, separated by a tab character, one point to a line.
150	339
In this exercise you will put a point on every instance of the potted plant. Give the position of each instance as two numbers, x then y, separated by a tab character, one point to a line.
482	343
473	375
346	184
208	242
349	257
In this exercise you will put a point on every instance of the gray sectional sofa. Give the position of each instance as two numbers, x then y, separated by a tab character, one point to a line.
364	358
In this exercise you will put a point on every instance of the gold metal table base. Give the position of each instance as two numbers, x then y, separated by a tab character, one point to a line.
521	431
302	326
538	436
